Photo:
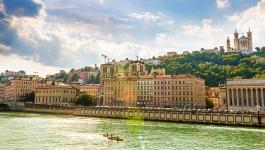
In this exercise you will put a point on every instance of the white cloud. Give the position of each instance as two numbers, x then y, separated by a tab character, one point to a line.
4	48
15	63
74	45
253	17
205	30
204	35
233	18
101	1
160	18
146	16
222	4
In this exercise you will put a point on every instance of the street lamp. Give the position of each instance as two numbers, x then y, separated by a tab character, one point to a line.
259	118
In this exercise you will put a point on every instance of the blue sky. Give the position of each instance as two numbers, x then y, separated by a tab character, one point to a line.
49	35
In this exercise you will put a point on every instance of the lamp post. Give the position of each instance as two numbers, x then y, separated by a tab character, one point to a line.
259	118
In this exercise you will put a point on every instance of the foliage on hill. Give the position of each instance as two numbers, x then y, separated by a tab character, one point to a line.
94	79
216	68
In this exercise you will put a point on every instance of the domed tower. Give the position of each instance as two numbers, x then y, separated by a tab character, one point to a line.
250	44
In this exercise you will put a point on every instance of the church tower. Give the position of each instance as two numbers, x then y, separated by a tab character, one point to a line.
228	45
236	41
250	44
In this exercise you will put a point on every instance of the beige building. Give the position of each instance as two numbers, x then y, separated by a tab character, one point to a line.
145	91
216	95
59	95
17	88
246	93
90	89
184	91
135	87
2	88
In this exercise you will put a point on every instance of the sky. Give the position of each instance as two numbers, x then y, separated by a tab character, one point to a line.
45	36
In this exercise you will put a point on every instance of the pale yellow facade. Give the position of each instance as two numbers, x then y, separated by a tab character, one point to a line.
59	95
90	89
137	88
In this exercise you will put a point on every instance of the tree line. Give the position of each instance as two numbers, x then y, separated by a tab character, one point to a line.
215	68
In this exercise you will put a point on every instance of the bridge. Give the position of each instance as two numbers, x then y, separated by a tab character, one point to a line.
7	105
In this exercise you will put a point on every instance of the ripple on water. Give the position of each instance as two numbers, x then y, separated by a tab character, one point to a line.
46	131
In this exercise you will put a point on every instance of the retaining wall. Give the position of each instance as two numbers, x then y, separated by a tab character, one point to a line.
240	119
173	116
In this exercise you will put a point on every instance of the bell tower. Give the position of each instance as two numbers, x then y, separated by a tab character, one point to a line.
250	44
236	40
228	45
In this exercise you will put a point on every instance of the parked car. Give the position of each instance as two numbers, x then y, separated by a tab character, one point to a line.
232	111
209	110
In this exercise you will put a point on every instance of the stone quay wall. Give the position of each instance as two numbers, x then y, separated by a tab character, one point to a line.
48	109
239	119
174	116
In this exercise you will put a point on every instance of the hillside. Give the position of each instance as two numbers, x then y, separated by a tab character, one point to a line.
216	68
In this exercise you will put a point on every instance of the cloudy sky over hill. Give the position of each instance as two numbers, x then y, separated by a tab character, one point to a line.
48	35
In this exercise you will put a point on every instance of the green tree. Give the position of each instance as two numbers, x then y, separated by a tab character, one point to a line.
215	68
84	100
29	97
263	49
209	103
94	79
257	48
75	77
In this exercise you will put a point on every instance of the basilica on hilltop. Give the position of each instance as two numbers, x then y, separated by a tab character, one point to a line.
241	44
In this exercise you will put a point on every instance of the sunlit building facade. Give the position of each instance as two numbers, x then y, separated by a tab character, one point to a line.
90	89
137	88
58	95
17	88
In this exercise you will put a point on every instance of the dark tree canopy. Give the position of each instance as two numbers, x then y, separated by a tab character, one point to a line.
29	97
94	79
84	100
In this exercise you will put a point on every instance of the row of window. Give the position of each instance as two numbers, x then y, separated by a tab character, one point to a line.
163	82
25	82
55	91
165	98
164	87
53	99
165	93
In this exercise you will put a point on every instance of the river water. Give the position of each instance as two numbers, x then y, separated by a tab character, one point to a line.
47	131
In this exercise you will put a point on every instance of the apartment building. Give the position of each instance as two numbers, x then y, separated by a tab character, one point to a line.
59	95
90	89
156	89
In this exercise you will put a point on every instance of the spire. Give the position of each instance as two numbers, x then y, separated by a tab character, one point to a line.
235	30
249	29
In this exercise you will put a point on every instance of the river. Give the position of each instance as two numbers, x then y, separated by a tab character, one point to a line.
48	131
